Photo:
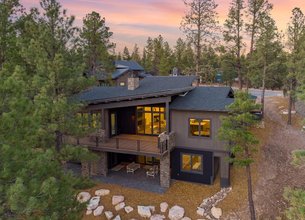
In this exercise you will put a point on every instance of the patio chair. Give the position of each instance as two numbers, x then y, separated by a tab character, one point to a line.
132	167
152	171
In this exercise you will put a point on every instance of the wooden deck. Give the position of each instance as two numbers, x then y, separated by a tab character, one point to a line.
124	143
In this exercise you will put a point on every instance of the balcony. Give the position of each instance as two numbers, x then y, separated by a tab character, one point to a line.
154	146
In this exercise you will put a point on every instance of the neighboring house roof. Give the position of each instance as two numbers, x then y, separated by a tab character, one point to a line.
149	87
129	64
204	99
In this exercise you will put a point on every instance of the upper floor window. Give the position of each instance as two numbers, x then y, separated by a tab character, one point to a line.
200	127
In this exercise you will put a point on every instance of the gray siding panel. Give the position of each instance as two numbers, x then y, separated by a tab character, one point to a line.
180	125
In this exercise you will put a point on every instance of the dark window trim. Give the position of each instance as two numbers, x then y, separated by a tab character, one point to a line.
200	172
199	137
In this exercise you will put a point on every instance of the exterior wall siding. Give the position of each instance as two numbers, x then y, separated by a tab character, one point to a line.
180	125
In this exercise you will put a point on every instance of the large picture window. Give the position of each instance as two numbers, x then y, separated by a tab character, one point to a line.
200	127
151	120
191	162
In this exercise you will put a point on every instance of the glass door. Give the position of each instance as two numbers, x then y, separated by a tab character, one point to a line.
113	124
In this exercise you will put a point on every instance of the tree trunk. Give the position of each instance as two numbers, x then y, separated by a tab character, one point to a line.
264	89
240	80
250	197
249	180
58	143
289	122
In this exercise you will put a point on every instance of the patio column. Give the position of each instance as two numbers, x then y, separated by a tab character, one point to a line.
165	170
85	168
167	117
102	164
224	171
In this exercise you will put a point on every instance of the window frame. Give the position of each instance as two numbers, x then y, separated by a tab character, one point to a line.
199	136
191	163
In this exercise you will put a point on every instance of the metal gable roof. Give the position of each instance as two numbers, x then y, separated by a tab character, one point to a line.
204	99
128	64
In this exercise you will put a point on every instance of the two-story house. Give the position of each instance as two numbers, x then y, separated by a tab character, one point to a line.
166	121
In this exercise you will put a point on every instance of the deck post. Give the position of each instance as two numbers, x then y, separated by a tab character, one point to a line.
138	145
117	143
165	175
102	164
85	168
224	171
167	117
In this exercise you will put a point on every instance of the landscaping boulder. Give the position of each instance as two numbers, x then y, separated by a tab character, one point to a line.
118	217
128	209
157	217
117	199
144	211
109	215
98	211
216	212
152	208
93	203
163	206
200	211
83	197
186	218
102	192
176	213
88	212
119	206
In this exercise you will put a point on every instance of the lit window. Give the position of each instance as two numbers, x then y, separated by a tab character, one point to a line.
191	163
122	84
200	128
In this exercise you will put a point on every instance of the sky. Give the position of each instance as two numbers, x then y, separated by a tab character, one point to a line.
133	21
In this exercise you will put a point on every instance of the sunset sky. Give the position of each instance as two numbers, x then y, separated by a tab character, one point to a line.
133	21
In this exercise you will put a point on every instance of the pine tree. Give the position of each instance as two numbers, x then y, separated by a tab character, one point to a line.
96	44
236	130
233	34
199	24
135	55
126	54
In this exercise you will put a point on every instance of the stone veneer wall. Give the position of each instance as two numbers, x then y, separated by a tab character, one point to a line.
165	170
96	168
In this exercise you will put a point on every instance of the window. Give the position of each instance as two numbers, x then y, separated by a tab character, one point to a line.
122	83
151	120
191	163
199	127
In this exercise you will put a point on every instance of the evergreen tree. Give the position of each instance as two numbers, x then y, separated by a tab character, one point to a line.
233	34
236	130
296	32
96	44
199	24
135	55
126	54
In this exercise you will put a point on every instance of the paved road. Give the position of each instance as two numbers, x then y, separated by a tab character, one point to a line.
268	93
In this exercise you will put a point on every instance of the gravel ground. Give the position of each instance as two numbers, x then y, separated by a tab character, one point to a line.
275	171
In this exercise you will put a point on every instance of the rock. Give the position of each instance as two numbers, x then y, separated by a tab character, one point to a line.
118	217
98	211
108	215
216	212
163	206
119	206
83	197
144	211
102	192
152	208
176	213
186	218
93	203
157	217
117	199
128	209
88	212
200	211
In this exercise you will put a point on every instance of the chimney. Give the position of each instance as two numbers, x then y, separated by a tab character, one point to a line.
133	82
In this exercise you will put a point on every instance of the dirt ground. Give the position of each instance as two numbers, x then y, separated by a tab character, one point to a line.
275	171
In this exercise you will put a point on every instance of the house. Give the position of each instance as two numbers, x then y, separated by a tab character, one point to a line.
125	69
165	121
